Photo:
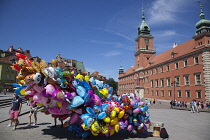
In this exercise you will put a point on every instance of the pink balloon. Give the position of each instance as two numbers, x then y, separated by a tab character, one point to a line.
40	99
141	103
38	89
50	88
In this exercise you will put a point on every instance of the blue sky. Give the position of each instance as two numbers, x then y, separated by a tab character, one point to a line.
101	33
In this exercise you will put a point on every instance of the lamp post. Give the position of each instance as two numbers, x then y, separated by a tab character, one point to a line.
174	84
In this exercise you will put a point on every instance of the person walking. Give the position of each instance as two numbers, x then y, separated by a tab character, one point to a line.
5	91
15	110
171	103
196	106
192	106
33	110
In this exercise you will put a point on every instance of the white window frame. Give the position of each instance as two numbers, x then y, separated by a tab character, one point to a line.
168	81
198	81
198	91
162	93
196	58
187	83
170	93
187	91
185	61
179	93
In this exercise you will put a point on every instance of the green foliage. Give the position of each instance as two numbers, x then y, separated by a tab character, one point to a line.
113	84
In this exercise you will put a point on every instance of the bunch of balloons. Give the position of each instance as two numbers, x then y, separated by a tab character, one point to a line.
86	103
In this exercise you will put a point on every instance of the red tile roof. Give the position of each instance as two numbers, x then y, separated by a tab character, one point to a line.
179	50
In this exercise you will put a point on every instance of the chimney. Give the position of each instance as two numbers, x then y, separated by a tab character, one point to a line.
174	45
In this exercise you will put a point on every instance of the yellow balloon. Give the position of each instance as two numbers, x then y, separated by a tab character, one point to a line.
121	114
104	129
111	132
106	119
87	78
117	127
94	133
22	91
113	114
114	121
59	104
95	126
85	127
39	104
117	109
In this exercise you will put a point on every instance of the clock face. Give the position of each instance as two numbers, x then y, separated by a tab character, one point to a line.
146	41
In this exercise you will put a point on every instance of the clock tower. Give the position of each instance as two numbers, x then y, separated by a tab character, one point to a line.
144	44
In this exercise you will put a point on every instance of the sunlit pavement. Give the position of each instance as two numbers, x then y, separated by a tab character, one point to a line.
180	124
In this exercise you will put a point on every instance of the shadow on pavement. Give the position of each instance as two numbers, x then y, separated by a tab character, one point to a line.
60	133
27	127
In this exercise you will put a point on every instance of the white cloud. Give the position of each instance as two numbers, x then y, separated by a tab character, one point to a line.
111	53
114	44
165	11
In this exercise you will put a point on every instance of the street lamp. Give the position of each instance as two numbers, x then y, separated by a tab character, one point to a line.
174	84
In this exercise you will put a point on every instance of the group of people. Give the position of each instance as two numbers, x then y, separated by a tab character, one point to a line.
194	105
174	103
15	110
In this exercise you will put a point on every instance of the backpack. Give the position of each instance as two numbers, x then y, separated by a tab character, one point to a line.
163	133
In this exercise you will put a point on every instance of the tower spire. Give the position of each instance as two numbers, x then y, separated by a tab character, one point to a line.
203	25
143	18
143	28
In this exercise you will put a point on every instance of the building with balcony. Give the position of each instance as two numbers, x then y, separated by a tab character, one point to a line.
181	73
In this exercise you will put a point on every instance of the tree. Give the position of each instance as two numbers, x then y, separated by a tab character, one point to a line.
113	84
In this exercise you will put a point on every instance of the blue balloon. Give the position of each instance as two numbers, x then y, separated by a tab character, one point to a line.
101	115
90	111
97	108
85	116
81	91
77	101
105	107
89	121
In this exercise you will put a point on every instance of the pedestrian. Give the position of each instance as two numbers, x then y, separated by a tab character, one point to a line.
154	101
33	110
185	104
145	102
171	103
5	91
196	106
202	105
148	103
192	104
15	110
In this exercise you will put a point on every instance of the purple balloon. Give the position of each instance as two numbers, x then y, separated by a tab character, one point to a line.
74	118
136	111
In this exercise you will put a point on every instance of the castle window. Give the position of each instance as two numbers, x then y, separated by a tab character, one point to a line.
198	92
176	65
197	78
196	61
170	93
186	80
187	93
179	94
185	63
162	93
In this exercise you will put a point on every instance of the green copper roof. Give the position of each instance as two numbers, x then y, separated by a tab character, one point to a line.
143	28
203	25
